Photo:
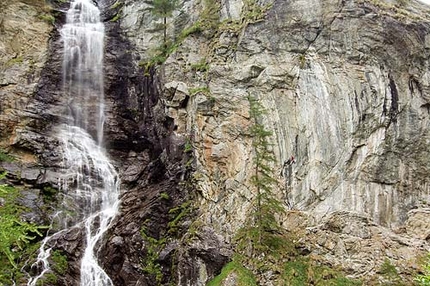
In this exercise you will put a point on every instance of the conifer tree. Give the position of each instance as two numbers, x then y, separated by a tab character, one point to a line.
263	228
163	9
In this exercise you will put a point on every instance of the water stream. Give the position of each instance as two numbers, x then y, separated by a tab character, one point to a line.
89	184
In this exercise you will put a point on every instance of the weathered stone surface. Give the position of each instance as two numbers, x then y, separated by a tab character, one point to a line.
346	86
202	258
418	223
23	53
333	243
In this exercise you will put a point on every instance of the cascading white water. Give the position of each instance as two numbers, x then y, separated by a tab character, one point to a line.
90	184
93	186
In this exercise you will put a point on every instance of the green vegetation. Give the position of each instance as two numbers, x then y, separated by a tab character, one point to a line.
4	157
13	61
115	18
261	235
196	90
163	9
188	148
118	7
154	245
194	29
244	277
49	194
210	17
424	278
117	4
177	214
303	271
48	18
150	264
390	274
164	196
262	245
17	237
59	262
201	66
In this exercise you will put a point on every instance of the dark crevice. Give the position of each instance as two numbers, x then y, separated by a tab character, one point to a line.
394	110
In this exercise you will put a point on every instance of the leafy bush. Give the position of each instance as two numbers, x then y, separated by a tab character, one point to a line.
16	236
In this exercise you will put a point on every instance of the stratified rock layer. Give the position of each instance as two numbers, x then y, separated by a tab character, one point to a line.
346	85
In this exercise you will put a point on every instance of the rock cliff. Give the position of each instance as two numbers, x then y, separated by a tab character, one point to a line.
346	85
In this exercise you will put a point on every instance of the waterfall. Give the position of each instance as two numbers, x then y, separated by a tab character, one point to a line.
90	184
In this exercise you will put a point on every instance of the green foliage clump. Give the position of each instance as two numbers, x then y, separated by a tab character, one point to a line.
49	194
201	66
304	271
390	274
118	7
117	4
424	278
115	18
210	17
164	196
193	29
177	215
203	89
244	277
48	18
59	261
150	264
188	147
16	236
4	157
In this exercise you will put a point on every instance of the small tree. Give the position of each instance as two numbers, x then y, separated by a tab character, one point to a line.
163	9
262	232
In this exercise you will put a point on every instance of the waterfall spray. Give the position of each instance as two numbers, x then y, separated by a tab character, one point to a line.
90	184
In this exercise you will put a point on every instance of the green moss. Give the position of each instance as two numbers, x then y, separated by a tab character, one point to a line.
244	277
390	274
17	236
424	278
164	196
193	29
48	18
4	157
188	148
13	61
201	66
59	260
117	4
49	194
204	89
115	18
304	271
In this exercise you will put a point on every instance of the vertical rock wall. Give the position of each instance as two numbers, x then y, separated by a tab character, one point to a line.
346	87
